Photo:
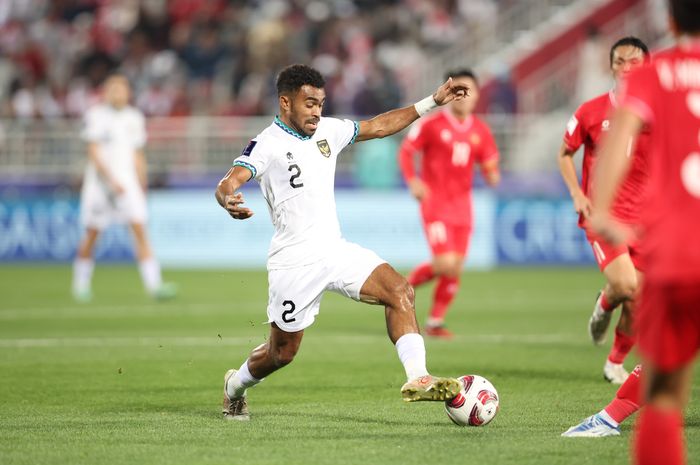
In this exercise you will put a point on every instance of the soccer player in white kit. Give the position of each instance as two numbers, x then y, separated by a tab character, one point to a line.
294	161
114	188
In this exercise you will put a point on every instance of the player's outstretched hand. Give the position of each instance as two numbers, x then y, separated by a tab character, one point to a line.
233	207
449	92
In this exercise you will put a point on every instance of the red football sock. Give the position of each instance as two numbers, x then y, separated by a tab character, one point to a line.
421	274
605	305
445	292
659	437
622	345
628	398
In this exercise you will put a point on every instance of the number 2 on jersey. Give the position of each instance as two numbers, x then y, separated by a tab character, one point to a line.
296	173
292	307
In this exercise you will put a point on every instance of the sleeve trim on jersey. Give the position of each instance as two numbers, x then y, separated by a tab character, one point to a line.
570	146
493	156
355	133
246	165
640	108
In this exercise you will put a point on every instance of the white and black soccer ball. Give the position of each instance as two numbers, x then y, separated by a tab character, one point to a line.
476	404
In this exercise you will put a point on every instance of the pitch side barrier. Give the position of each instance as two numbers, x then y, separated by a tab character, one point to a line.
508	231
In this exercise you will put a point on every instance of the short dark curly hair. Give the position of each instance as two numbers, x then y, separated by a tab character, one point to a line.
293	77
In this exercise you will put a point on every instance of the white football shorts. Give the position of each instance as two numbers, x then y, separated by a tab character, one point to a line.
99	208
295	293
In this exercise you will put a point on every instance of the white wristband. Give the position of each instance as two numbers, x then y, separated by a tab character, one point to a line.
425	105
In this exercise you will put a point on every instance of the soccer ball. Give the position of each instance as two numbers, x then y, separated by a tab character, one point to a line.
476	404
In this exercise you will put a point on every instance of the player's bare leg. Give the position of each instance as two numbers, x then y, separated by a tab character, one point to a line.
278	352
621	288
387	287
659	430
621	285
447	267
148	265
84	265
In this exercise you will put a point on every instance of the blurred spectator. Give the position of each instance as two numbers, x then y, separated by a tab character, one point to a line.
216	56
593	69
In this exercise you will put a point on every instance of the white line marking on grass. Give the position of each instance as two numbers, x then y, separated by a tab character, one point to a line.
120	311
201	341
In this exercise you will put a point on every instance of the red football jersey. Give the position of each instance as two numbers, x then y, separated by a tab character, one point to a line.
666	95
449	149
586	127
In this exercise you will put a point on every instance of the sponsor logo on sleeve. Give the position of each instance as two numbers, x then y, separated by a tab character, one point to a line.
571	125
249	148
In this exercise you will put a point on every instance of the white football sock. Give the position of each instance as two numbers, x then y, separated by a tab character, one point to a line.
82	274
242	380
604	415
150	274
411	349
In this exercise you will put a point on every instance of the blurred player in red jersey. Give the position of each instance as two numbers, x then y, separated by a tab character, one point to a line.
619	263
450	142
665	96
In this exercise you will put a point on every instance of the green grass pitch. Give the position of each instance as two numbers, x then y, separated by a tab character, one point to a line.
124	380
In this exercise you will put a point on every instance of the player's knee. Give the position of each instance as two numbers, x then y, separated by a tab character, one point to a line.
283	356
402	295
453	270
624	287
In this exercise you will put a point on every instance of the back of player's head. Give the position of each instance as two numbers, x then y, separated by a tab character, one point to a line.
632	42
461	72
293	77
686	15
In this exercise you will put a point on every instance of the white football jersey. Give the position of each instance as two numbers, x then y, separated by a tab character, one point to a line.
119	133
297	178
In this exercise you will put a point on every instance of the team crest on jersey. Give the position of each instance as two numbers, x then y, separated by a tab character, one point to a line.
475	139
606	125
445	135
324	148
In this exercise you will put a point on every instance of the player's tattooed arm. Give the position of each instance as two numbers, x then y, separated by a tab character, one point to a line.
582	204
227	196
394	121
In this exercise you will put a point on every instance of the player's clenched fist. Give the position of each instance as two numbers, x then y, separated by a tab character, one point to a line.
450	91
233	207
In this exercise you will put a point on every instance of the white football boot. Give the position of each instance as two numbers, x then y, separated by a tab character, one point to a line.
615	373
599	322
594	426
234	409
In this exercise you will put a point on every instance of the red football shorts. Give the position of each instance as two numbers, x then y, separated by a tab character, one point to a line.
668	323
446	237
605	252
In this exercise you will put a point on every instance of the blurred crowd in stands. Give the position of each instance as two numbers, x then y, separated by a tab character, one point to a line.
220	57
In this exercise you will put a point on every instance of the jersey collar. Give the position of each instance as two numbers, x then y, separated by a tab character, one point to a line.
613	98
689	43
280	124
457	124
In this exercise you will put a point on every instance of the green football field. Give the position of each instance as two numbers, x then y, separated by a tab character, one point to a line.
126	380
